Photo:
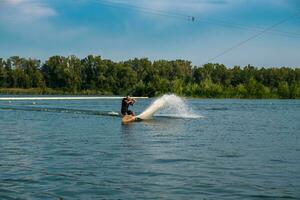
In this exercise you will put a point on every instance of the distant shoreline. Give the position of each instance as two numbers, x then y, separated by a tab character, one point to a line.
94	75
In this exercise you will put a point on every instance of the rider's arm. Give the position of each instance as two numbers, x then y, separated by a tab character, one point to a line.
128	101
131	101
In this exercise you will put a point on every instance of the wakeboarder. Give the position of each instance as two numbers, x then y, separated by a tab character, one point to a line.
126	102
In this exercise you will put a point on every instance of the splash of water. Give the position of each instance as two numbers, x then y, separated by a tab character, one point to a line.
169	105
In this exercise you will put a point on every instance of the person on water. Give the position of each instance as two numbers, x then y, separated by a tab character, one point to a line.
126	102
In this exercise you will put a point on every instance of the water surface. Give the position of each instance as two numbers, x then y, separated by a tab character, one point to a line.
78	149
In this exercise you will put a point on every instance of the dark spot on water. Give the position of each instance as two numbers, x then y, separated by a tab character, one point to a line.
162	161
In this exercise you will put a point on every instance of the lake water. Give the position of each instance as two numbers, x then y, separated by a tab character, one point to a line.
78	149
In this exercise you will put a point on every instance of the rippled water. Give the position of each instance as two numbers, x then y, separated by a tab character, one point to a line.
78	149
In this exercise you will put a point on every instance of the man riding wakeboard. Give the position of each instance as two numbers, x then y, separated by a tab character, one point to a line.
126	102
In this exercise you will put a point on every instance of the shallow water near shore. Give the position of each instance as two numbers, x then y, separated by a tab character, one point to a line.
79	149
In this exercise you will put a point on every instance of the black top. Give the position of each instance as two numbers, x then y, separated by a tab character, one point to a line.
125	106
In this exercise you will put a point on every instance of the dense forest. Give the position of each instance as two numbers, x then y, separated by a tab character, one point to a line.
142	77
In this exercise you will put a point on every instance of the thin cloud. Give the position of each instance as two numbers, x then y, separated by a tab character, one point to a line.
189	6
202	6
24	11
30	20
13	2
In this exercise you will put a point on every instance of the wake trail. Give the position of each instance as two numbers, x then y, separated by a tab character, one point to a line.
62	110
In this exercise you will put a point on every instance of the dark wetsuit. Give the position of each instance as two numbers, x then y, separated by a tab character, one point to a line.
124	109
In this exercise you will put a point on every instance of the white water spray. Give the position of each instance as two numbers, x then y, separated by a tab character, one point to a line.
168	106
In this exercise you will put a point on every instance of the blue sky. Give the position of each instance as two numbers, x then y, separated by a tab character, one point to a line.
121	30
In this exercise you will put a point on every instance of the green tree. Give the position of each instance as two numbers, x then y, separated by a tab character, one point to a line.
55	73
3	74
72	72
295	90
178	86
283	90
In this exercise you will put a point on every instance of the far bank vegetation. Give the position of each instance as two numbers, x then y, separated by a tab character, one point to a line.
142	77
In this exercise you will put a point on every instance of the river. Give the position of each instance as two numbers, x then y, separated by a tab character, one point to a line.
79	149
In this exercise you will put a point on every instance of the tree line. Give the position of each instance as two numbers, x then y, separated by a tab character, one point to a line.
142	77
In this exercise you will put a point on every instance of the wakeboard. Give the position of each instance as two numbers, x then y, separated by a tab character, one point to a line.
130	118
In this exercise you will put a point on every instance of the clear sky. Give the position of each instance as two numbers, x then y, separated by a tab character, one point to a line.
156	29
